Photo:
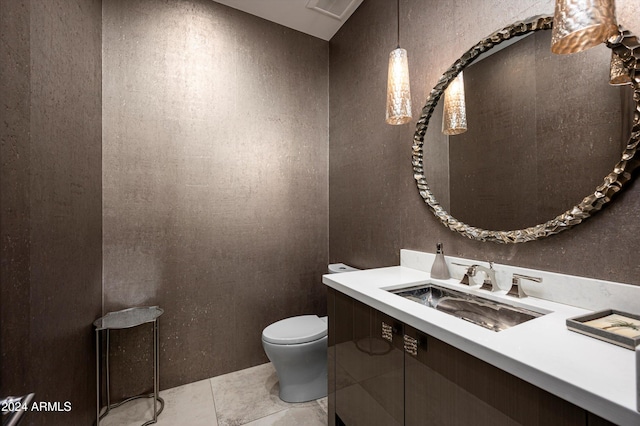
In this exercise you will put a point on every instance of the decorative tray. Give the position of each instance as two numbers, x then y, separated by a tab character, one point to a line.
619	328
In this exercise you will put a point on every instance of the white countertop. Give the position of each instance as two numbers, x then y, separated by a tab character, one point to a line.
595	375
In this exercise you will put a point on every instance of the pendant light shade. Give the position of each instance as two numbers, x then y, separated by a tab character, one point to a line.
581	24
454	117
618	73
398	88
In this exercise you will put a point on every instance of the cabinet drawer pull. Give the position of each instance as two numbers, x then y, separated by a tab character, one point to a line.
410	345
387	332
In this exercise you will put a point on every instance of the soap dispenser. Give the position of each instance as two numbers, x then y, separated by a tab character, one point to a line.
439	269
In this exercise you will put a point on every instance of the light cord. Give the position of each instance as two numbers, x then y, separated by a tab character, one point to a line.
398	13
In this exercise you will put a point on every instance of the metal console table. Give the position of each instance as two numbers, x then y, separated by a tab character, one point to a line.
128	318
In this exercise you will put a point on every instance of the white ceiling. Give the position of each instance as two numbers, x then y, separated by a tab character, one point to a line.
319	18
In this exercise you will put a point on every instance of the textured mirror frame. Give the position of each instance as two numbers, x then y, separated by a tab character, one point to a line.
627	47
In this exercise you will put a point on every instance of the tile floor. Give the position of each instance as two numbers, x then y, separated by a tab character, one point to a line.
245	397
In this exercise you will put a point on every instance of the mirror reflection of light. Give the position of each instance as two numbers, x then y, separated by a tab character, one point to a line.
454	118
617	72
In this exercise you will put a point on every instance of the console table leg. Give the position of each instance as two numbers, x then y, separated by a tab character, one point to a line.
97	377
107	379
155	371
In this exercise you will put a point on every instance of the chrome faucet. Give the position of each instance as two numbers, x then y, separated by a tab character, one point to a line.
470	271
489	282
516	289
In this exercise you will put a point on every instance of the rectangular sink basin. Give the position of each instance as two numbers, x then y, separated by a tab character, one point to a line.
486	313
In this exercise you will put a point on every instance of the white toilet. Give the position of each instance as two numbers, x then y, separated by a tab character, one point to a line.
297	348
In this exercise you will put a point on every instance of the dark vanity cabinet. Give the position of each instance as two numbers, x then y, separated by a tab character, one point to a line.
368	366
446	386
384	372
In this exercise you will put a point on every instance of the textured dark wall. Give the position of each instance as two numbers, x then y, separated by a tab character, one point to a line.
375	209
51	203
366	158
14	197
214	180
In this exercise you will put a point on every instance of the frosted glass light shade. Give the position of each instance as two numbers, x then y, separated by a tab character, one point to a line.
398	88
618	74
581	24
454	117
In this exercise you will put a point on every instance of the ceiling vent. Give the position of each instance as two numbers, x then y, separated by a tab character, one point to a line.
337	9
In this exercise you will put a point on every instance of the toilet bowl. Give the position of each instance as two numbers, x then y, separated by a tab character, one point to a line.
297	348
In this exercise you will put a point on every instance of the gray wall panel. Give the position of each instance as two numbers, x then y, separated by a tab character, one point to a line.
51	203
215	181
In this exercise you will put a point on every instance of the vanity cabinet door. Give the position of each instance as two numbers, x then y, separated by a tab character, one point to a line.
368	366
446	386
418	380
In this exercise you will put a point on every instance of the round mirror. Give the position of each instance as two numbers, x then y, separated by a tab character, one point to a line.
537	140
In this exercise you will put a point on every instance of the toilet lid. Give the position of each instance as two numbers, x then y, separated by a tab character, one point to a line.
301	329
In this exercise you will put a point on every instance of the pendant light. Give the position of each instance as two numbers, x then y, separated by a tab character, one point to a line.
454	116
398	88
581	24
